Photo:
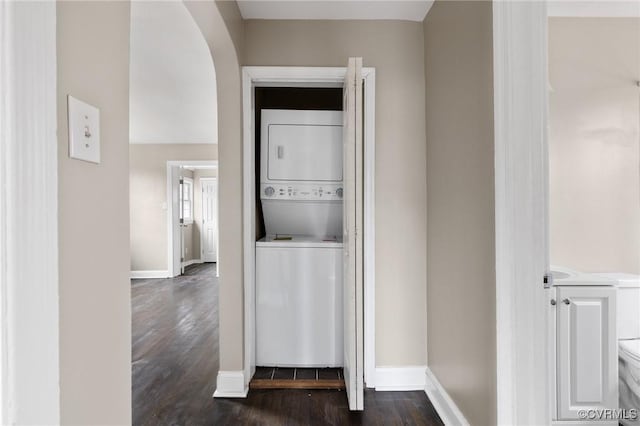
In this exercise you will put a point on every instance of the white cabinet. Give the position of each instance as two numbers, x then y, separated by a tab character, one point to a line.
587	356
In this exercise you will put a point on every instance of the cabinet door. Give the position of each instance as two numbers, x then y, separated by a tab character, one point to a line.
587	350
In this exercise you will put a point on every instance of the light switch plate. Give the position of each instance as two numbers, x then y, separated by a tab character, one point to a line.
84	130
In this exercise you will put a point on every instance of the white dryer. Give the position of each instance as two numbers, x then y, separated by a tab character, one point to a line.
299	262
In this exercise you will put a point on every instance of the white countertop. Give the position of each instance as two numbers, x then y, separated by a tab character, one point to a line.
568	277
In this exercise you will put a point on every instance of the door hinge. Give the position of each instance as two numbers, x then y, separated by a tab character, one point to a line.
181	221
182	259
181	181
548	280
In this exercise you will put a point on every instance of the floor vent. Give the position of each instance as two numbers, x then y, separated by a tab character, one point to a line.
297	378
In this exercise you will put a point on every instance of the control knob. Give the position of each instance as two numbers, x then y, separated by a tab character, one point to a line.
269	191
339	192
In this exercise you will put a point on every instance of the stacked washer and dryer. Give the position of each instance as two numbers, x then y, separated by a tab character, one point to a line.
299	261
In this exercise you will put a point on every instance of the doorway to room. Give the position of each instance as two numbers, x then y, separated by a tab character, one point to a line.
173	216
192	214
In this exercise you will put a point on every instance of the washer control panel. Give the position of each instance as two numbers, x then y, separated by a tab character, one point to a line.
297	191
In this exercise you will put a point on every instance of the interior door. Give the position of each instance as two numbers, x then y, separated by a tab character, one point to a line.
182	225
209	220
176	237
352	236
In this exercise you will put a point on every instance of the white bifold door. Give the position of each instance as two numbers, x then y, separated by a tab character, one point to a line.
352	236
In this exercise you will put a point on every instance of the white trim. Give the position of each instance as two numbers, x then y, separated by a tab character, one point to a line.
146	275
595	8
248	223
369	223
400	378
173	163
231	384
307	76
29	305
520	103
448	411
191	262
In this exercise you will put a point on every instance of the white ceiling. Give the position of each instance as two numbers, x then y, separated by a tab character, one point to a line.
172	77
594	8
408	10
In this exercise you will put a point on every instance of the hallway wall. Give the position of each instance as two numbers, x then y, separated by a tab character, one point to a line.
461	279
95	314
395	49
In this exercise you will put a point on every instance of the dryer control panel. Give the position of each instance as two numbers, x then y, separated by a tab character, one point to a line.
306	192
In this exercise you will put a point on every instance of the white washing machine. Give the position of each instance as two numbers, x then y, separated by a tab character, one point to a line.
299	302
299	262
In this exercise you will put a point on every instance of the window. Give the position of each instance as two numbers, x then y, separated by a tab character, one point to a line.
186	194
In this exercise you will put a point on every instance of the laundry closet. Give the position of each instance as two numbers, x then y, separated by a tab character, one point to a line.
308	207
299	215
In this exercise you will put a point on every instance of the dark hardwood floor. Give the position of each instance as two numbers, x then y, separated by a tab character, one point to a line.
175	347
175	362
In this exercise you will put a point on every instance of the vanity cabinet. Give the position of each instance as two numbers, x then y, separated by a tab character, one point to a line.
586	350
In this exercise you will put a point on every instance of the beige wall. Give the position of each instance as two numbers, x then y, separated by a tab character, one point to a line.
95	317
148	214
460	187
221	25
595	143
395	49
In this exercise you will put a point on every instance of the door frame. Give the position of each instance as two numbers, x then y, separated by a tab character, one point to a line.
29	282
523	365
171	271
202	208
255	76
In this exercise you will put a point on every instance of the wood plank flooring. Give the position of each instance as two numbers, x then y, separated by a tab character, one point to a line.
175	363
175	347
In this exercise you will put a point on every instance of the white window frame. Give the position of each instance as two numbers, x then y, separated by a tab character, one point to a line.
187	181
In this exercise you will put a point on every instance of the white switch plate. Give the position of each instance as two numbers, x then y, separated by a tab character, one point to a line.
84	130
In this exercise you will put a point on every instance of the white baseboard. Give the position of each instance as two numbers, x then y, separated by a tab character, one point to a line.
400	378
230	384
148	274
442	402
191	262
